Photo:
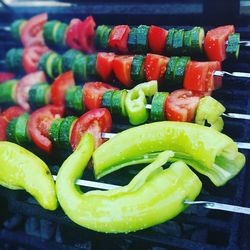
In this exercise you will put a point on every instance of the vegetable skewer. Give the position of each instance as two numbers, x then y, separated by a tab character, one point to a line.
81	35
206	204
171	73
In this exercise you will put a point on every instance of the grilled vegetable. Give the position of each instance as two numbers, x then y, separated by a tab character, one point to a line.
24	170
129	208
209	152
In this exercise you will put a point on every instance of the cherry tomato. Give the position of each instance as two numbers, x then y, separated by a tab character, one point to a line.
93	92
31	57
104	65
155	67
39	124
118	39
95	122
86	32
5	76
24	86
157	39
32	33
181	105
215	42
12	112
122	68
59	87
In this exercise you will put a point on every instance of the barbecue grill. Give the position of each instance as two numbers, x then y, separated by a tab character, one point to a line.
25	225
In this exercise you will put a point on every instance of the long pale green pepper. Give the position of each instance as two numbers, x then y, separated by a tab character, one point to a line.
153	196
208	151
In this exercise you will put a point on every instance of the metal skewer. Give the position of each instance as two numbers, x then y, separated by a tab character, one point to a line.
206	204
228	115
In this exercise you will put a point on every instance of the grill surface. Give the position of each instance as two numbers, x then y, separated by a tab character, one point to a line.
24	223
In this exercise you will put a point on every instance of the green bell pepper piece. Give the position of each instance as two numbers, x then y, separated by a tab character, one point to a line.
209	111
135	102
153	196
209	152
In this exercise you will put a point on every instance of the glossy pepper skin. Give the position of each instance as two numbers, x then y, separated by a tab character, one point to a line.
135	102
21	169
209	152
210	110
153	196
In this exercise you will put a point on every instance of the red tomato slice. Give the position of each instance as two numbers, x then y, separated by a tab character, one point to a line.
31	57
215	42
122	68
181	105
199	76
118	39
104	65
24	86
3	127
12	112
86	32
157	39
155	67
72	34
59	87
39	124
93	92
5	76
95	122
32	33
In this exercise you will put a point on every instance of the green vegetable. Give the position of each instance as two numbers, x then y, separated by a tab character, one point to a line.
209	152
209	111
91	66
57	66
178	42
233	46
68	59
107	100
153	196
59	36
39	94
21	169
197	38
158	106
105	38
179	70
49	30
54	131
21	133
136	101
80	69
7	91
137	69
169	41
142	39
16	28
118	103
169	74
73	98
132	38
13	59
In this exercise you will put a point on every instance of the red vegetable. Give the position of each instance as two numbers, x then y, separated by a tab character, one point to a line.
155	66
118	39
12	112
181	105
104	65
121	68
39	124
59	87
72	34
86	32
199	76
95	122
157	39
3	127
24	86
215	42
5	76
31	57
32	33
93	92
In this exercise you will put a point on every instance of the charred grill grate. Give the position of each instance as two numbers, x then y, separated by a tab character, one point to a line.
196	228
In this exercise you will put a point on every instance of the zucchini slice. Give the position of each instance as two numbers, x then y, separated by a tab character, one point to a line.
137	69
233	46
158	106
